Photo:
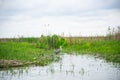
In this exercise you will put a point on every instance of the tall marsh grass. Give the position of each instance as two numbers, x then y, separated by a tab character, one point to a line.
49	42
113	33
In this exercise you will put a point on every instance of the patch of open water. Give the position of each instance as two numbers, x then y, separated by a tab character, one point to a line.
70	67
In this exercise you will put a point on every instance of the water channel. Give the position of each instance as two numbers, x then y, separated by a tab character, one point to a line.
70	67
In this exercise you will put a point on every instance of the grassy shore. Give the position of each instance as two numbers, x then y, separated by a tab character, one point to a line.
25	52
107	49
40	51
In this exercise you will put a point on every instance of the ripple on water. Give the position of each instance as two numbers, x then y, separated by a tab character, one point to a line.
70	67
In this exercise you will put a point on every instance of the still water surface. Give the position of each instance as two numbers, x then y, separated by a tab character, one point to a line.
70	67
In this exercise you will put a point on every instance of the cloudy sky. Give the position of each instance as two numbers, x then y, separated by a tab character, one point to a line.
71	17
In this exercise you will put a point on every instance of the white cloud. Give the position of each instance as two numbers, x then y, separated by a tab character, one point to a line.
57	5
85	17
92	25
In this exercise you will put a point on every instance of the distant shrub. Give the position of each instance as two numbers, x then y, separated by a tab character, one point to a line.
48	42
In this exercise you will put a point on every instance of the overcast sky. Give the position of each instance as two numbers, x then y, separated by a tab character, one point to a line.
71	17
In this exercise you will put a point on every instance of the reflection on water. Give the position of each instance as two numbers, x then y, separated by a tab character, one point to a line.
71	67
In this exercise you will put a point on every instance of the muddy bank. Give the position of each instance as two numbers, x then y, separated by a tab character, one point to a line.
17	63
10	63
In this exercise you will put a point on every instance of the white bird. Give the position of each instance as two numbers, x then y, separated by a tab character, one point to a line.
58	50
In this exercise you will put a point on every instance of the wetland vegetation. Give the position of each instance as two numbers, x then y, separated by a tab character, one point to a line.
40	51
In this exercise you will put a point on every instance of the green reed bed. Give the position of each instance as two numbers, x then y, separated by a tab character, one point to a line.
108	49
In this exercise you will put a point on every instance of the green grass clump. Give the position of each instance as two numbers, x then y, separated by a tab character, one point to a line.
39	51
96	46
17	51
51	42
25	52
109	49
